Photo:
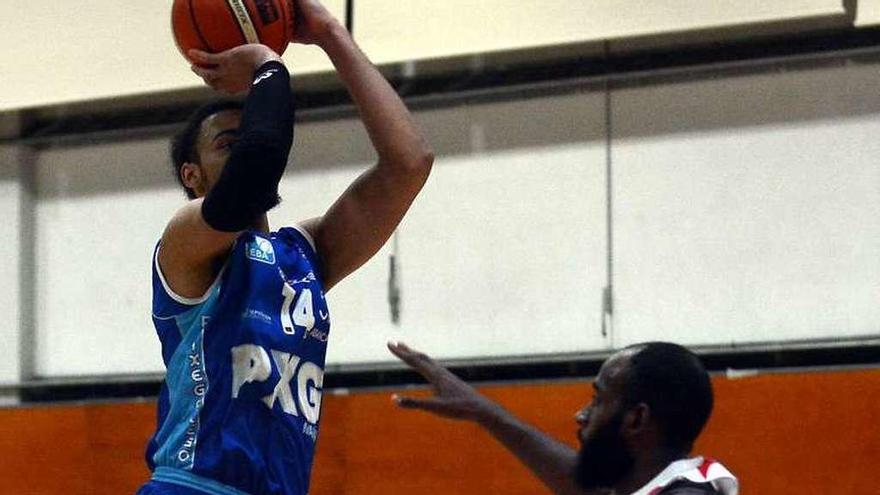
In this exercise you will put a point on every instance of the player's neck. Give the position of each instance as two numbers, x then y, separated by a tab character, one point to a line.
262	224
645	469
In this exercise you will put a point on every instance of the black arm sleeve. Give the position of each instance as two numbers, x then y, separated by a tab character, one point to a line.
248	185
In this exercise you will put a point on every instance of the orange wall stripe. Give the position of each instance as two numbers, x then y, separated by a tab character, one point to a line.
780	433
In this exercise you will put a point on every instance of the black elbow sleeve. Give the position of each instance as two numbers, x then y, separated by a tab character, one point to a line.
248	185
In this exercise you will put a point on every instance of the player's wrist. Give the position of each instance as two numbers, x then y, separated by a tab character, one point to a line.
488	414
330	34
265	55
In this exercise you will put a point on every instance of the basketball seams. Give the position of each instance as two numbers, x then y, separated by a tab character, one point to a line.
238	21
192	17
289	19
237	24
284	6
206	24
250	8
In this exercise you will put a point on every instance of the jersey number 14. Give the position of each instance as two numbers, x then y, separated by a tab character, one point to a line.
302	315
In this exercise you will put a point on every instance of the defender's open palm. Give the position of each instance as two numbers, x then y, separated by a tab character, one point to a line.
453	398
231	71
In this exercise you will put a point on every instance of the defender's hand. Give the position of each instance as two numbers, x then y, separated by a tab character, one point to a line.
231	71
453	398
312	22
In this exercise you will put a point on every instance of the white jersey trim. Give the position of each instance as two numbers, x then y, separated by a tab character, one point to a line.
689	469
189	301
306	234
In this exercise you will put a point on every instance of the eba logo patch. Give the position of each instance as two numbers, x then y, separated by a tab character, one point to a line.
260	250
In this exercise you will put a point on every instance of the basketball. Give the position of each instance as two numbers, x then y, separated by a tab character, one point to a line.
217	25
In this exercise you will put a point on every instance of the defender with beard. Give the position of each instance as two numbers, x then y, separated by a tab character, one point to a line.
650	404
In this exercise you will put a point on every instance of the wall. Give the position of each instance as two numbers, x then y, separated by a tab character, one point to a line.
112	50
735	213
438	29
99	212
734	222
868	13
781	433
102	206
124	49
11	199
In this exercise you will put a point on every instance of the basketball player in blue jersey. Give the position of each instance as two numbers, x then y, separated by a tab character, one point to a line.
240	309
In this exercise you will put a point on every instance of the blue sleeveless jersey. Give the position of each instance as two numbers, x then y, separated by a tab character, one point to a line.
239	409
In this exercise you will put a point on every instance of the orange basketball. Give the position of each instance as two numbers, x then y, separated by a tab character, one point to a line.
217	25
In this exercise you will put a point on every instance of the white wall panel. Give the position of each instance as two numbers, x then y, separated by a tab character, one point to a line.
100	211
10	298
393	31
59	53
743	208
504	254
742	214
514	184
867	13
530	171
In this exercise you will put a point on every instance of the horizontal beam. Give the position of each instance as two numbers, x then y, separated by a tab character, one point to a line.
424	86
806	356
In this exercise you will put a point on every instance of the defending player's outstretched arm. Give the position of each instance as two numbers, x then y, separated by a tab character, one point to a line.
551	461
366	214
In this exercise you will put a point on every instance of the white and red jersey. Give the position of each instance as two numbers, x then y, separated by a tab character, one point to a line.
695	470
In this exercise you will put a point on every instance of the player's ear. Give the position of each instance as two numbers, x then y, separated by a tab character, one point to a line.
637	419
192	176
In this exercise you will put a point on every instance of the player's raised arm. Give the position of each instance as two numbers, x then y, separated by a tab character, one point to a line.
231	164
366	214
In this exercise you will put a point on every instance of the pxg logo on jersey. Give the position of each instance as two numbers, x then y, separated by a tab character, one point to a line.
260	250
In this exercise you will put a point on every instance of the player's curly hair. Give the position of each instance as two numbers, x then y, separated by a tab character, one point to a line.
183	144
672	381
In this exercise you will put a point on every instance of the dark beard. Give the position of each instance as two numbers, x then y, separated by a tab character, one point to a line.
604	460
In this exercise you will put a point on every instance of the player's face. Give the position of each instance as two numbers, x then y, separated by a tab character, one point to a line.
604	458
218	133
607	396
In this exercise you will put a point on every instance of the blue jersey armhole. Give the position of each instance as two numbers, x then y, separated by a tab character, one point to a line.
166	302
303	239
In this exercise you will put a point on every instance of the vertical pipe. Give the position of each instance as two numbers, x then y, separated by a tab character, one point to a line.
394	281
608	293
349	16
27	260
